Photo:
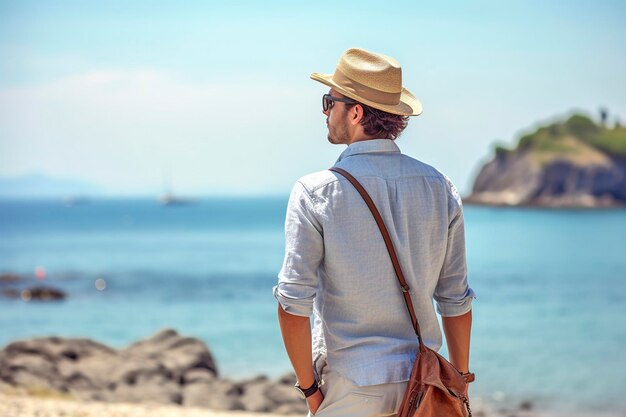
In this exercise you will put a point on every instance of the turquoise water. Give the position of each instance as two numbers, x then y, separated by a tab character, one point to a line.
548	320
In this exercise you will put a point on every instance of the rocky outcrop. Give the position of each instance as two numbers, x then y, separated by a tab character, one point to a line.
166	368
514	179
562	165
34	293
25	292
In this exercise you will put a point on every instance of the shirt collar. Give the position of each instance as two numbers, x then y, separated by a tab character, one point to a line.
369	146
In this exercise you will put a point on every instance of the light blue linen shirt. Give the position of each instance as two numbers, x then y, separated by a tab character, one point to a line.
337	267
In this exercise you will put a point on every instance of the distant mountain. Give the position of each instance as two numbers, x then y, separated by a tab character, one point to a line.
570	163
39	185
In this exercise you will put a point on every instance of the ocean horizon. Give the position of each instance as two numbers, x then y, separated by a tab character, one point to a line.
550	284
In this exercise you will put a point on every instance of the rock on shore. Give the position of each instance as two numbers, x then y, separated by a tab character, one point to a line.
164	375
166	368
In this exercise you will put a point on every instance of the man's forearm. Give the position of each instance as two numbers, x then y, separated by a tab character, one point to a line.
296	331
457	331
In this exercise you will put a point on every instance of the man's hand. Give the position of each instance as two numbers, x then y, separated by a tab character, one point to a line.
314	401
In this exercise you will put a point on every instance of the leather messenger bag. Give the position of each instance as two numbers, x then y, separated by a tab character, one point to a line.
436	387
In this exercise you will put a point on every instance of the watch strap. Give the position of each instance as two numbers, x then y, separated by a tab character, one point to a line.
309	391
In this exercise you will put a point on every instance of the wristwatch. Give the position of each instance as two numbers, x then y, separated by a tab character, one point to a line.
305	393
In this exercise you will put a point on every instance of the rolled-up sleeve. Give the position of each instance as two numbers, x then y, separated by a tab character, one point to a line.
304	250
452	293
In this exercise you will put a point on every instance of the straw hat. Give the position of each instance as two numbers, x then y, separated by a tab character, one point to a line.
372	79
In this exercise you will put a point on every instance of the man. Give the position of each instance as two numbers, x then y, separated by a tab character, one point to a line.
358	359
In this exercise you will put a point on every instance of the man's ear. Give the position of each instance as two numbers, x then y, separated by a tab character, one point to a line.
356	114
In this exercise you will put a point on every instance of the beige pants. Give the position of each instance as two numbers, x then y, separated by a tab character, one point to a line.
344	398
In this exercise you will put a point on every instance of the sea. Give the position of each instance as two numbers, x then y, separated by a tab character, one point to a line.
549	321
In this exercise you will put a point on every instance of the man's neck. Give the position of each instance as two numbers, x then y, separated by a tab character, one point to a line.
362	138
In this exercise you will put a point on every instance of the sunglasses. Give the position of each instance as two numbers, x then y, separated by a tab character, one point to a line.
328	101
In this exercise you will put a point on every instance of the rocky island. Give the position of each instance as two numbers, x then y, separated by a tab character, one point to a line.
569	163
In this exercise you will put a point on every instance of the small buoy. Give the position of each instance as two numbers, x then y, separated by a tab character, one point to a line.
101	284
40	273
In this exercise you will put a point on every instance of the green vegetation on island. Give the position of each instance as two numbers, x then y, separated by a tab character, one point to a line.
573	136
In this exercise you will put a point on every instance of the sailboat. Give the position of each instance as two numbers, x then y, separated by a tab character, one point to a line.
170	199
76	200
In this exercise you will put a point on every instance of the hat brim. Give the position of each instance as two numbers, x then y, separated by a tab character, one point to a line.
408	106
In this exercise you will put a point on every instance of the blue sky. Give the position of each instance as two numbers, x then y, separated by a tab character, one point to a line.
217	96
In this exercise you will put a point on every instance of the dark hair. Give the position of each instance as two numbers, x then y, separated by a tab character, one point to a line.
380	123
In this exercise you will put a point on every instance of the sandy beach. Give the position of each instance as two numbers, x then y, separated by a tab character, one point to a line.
23	405
19	403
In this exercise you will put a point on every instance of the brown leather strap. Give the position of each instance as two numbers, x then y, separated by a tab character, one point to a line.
392	252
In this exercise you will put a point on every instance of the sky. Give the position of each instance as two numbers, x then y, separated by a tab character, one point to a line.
214	98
